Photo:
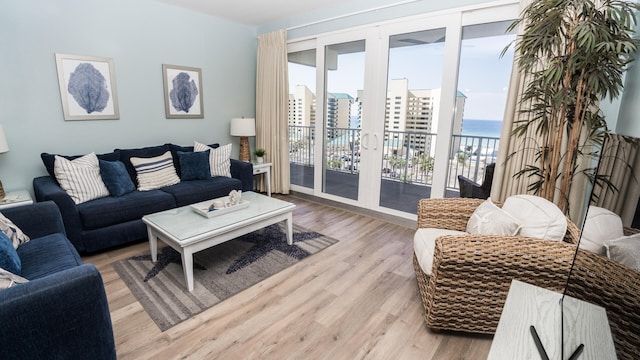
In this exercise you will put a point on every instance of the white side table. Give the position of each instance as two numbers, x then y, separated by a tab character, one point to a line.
16	198
263	168
527	305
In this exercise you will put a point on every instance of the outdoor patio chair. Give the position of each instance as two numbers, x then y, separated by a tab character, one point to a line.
471	189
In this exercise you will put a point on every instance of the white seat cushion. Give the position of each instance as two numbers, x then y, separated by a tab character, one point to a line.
539	217
424	245
599	226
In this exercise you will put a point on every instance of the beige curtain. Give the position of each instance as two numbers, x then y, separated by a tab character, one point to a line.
272	106
621	163
516	152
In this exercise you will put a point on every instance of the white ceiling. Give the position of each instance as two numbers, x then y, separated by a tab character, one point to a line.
256	12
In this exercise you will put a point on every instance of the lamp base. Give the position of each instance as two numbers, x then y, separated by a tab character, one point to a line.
2	194
245	152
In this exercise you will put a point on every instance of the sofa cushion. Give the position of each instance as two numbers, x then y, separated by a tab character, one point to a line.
600	225
145	152
9	259
49	159
155	172
424	245
625	250
219	158
539	217
115	210
194	165
12	231
189	192
80	178
116	178
175	148
47	255
489	219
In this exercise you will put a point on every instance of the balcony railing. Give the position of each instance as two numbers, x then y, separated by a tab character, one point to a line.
407	157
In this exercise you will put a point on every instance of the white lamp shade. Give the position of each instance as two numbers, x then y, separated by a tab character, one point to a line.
4	145
243	127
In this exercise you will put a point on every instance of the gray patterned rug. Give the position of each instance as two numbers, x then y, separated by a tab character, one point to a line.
219	272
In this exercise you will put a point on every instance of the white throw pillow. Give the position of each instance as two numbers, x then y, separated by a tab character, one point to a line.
13	232
80	177
625	250
489	219
9	279
539	217
600	225
424	245
219	158
155	172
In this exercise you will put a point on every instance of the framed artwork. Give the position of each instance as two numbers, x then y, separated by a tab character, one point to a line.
87	87
182	92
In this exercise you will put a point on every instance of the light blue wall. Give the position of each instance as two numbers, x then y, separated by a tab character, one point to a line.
139	36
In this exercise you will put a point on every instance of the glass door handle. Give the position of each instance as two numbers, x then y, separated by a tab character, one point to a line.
365	141
375	141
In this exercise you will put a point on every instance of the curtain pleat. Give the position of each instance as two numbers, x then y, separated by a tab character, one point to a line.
272	106
621	162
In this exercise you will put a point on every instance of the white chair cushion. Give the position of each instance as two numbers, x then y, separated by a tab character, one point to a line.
539	217
489	219
424	245
600	225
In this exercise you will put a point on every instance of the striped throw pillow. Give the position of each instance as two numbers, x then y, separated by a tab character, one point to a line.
80	177
219	158
155	172
12	231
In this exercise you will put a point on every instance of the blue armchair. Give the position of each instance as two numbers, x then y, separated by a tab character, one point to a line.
62	312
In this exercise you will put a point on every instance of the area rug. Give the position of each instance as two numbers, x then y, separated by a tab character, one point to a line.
219	272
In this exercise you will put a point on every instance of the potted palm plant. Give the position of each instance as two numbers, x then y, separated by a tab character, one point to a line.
570	54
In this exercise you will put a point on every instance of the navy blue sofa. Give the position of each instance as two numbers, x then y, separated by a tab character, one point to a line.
111	221
62	312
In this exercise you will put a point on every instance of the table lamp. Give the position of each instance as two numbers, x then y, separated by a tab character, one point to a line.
243	127
4	147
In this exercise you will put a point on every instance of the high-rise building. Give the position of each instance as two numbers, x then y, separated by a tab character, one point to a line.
302	107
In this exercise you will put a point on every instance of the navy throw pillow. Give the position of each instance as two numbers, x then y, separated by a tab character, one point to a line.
116	178
194	165
9	259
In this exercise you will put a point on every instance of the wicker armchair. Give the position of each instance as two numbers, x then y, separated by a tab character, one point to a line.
615	287
471	274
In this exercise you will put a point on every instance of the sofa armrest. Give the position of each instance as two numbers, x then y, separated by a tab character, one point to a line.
46	188
616	287
61	316
450	213
243	171
471	276
37	219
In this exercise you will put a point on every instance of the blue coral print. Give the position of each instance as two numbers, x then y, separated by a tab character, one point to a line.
184	92
89	88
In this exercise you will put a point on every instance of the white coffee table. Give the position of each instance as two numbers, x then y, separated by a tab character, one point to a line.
188	232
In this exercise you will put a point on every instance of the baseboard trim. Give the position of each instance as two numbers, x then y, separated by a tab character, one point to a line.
411	224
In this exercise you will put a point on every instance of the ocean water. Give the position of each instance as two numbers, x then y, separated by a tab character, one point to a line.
485	128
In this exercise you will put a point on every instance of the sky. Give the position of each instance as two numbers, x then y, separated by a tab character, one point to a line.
483	75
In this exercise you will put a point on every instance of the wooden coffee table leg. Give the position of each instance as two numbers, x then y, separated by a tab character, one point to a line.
153	244
289	222
187	266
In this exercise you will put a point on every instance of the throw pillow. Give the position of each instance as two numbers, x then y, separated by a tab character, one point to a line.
8	279
9	258
600	225
625	250
80	177
155	172
219	158
489	219
116	178
539	217
194	165
13	232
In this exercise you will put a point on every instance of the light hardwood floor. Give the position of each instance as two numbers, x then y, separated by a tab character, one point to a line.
357	299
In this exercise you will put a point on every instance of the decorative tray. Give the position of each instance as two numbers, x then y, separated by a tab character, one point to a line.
202	208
